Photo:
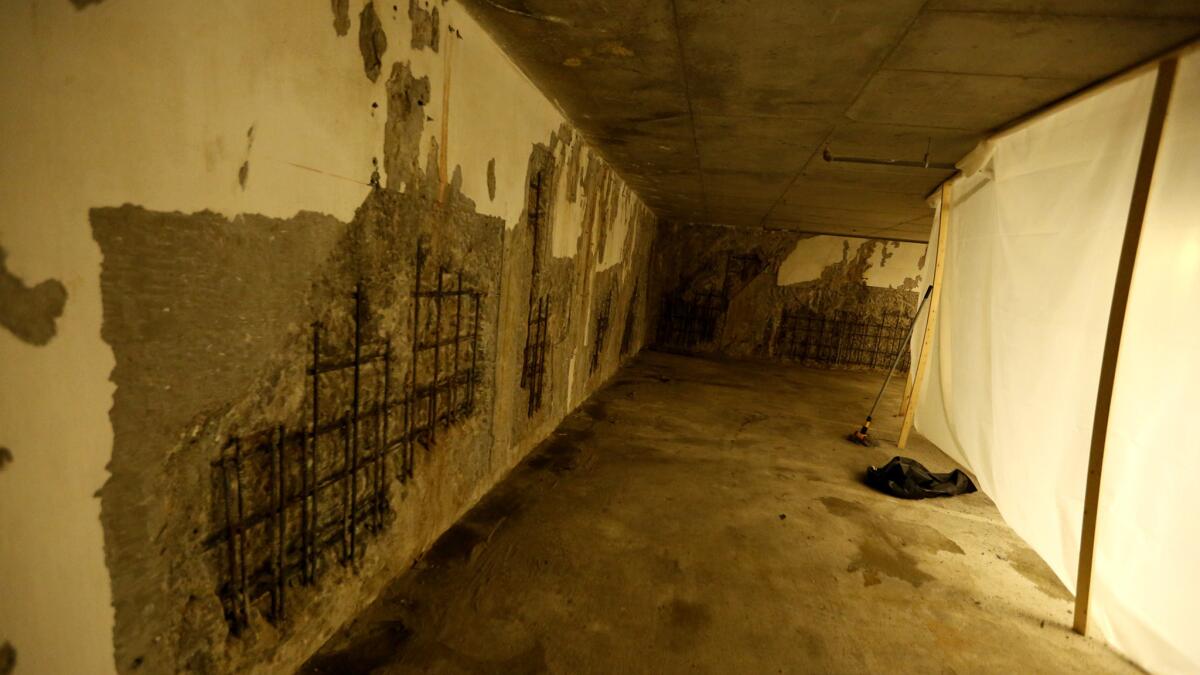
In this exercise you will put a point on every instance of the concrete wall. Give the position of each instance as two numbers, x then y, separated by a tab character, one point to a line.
186	188
768	294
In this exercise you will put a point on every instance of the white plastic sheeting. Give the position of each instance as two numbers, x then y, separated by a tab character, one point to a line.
1033	239
1146	573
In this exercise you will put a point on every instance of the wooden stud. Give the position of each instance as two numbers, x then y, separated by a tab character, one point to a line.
1116	324
908	384
930	318
908	381
908	389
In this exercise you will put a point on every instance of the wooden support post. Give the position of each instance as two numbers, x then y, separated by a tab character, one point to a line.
914	395
908	382
1116	324
908	389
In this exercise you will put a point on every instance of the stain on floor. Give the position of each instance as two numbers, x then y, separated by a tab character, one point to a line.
887	547
1029	565
639	538
8	659
366	653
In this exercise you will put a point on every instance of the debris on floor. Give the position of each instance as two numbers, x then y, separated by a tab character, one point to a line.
909	479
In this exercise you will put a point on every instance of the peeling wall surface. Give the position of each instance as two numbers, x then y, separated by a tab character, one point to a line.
776	295
30	313
197	194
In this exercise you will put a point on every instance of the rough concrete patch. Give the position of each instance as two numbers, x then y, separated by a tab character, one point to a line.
372	41
425	31
456	178
406	99
491	179
195	306
8	658
30	313
341	16
6	457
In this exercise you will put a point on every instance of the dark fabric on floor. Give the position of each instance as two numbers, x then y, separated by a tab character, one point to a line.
909	479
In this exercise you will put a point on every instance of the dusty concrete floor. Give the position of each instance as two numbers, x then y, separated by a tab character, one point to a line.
700	516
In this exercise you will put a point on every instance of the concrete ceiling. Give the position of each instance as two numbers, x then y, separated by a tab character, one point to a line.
717	111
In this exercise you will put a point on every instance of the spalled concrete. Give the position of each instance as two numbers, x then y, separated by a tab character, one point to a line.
235	300
194	269
341	16
734	291
426	31
30	312
372	41
188	322
705	516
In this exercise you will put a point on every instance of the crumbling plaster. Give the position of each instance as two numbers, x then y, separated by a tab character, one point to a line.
148	103
892	265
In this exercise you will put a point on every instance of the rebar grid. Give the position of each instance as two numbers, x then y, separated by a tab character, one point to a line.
687	320
630	319
603	317
842	340
533	364
286	498
691	316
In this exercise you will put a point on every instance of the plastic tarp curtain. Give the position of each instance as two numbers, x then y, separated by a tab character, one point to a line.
1146	573
1010	390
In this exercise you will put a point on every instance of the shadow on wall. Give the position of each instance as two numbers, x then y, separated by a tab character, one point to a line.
719	293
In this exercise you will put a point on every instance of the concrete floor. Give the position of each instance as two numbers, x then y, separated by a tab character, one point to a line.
705	516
